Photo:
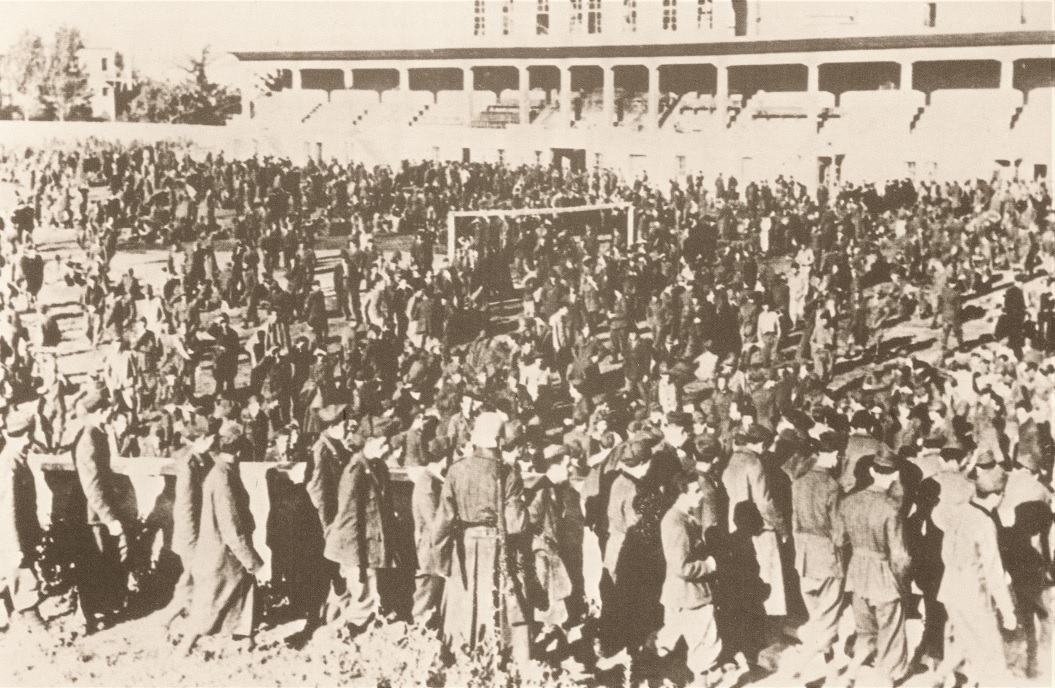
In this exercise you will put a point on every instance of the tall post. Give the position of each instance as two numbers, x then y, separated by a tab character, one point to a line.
721	93
813	78
608	95
565	96
450	239
350	83
653	97
524	82
905	83
404	79
469	85
297	84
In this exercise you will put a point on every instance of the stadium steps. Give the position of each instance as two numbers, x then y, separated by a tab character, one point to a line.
670	110
916	118
311	112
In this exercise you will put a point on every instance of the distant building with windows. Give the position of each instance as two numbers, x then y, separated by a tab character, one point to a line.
819	90
108	72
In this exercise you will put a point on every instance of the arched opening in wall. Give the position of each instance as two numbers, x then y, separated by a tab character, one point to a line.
587	100
504	82
379	80
322	79
686	89
838	78
631	94
544	80
955	74
749	80
435	80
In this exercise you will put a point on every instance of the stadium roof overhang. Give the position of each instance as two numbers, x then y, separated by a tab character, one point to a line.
724	48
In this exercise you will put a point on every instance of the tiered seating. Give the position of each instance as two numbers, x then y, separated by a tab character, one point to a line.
968	114
862	113
398	108
346	108
451	109
289	106
498	115
794	104
694	112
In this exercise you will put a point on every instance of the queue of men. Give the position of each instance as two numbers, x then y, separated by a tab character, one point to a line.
657	466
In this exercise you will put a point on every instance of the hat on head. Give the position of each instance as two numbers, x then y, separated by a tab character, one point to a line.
755	434
828	442
486	429
332	413
883	460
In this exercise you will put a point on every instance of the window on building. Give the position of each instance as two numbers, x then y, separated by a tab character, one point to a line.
106	90
575	24
705	14
104	64
630	14
681	164
542	18
593	18
670	15
932	14
479	17
507	17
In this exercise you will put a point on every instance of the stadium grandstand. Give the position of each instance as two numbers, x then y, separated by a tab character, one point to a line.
818	91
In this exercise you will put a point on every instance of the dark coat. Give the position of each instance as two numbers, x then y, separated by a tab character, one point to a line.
362	532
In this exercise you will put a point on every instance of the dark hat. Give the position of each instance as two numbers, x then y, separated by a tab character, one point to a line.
332	413
828	442
862	420
634	453
755	434
883	460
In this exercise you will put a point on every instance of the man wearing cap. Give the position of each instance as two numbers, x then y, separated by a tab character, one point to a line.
330	454
974	585
862	442
225	562
480	516
315	315
870	523
747	484
100	575
362	536
815	506
425	500
19	529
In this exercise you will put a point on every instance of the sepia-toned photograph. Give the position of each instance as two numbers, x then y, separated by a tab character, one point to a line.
527	343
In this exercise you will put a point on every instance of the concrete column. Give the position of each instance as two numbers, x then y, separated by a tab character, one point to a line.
1007	74
296	85
468	85
525	102
349	81
653	97
813	78
721	93
566	114
906	76
608	96
404	79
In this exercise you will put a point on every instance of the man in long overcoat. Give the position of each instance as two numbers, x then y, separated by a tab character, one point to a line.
225	562
481	514
361	539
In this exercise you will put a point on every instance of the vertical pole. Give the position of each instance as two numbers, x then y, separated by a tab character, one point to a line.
451	243
296	85
906	77
1007	75
721	93
469	84
525	101
565	96
608	95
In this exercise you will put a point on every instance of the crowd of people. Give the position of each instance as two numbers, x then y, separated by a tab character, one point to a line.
668	450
